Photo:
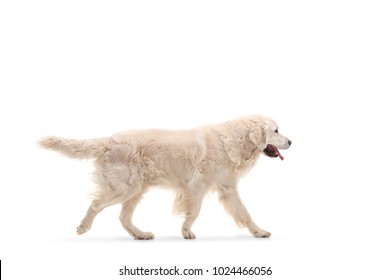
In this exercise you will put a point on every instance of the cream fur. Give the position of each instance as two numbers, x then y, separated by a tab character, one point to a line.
191	162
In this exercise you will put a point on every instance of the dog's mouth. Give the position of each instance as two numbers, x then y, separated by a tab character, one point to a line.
272	151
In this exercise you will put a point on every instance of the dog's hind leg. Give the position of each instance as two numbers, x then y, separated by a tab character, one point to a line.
96	206
189	220
232	203
126	215
190	203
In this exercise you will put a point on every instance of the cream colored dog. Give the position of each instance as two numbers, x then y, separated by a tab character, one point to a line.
191	162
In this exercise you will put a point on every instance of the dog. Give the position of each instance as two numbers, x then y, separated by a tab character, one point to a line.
191	162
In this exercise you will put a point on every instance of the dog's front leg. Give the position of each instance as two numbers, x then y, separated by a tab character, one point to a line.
232	203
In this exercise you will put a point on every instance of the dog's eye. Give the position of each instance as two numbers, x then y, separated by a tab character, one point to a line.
276	131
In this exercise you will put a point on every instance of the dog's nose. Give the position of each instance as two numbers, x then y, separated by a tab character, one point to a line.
289	142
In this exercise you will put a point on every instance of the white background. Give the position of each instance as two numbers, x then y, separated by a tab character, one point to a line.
86	69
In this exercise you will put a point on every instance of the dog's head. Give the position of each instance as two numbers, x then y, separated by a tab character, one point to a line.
264	133
244	136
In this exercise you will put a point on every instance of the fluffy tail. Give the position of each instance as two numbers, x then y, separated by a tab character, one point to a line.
80	149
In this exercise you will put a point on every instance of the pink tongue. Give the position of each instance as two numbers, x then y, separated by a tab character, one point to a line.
278	153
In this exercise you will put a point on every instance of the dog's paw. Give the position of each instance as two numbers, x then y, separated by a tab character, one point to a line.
261	233
81	229
144	236
187	234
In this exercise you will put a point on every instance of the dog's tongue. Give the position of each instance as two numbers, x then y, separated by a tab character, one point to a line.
279	154
276	151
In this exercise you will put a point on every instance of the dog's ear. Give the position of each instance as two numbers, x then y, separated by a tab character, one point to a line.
258	134
232	149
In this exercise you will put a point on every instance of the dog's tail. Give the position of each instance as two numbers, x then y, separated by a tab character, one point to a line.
80	149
